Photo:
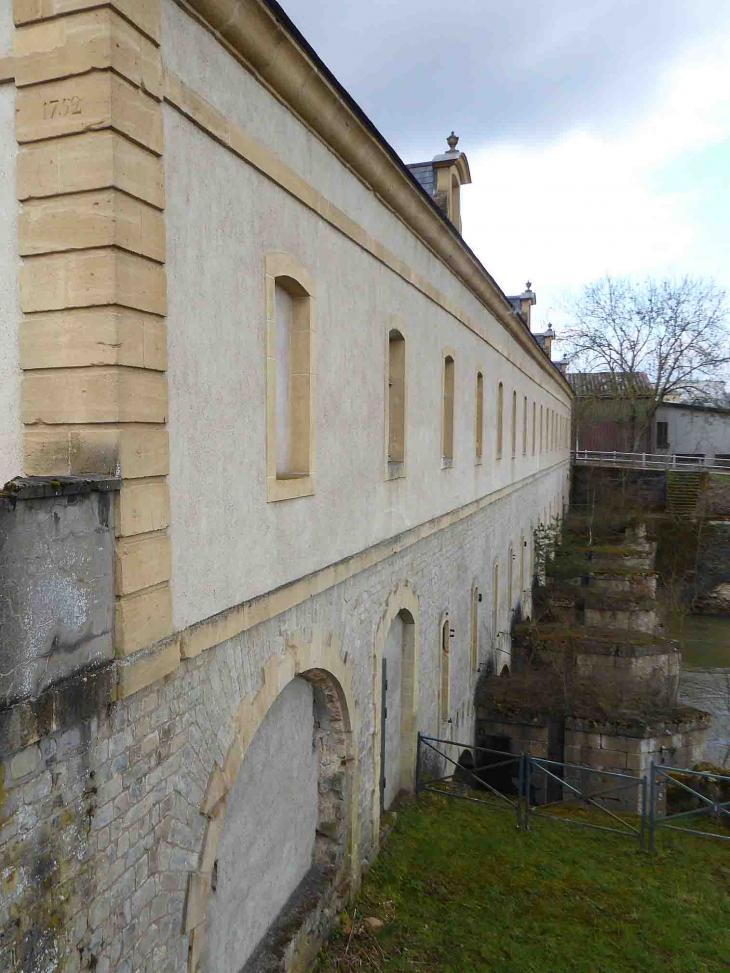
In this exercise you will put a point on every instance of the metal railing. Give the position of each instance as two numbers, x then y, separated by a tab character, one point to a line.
450	788
622	784
661	774
649	461
574	785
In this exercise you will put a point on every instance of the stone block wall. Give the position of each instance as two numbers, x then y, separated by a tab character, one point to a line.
615	748
651	670
629	620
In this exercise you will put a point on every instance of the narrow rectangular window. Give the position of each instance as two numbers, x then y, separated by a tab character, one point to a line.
479	419
662	435
524	427
289	292
534	415
282	352
514	423
500	411
447	436
396	403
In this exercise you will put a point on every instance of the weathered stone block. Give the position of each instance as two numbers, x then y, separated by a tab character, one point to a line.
97	394
142	507
144	668
103	218
142	562
100	99
129	450
26	762
93	336
92	160
81	42
145	15
88	277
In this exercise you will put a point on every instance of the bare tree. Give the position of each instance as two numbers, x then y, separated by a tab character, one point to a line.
673	331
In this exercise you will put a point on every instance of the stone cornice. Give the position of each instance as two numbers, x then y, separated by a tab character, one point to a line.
262	35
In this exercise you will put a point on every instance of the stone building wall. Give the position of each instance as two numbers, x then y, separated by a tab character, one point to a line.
105	818
117	778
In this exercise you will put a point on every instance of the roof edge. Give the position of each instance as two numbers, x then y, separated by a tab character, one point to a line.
264	37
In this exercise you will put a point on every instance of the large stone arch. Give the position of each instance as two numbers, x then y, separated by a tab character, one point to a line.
403	601
317	660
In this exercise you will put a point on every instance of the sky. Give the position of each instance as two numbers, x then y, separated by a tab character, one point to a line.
597	131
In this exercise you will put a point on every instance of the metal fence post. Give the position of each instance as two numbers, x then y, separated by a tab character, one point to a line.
520	787
527	778
418	765
643	812
652	802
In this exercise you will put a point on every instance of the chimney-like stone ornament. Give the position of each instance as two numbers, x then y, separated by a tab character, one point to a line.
452	141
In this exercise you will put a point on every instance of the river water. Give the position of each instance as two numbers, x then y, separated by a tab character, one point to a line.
705	680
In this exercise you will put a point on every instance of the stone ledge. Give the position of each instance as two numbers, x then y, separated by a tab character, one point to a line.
34	487
78	698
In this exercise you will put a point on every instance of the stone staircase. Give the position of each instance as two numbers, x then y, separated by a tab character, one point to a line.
683	491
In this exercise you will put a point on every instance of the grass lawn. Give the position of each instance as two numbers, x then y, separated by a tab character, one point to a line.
459	889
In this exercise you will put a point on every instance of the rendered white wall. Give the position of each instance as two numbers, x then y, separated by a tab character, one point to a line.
6	28
219	230
218	234
11	448
694	431
268	839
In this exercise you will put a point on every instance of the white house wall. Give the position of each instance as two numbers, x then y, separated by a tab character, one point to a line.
219	231
696	431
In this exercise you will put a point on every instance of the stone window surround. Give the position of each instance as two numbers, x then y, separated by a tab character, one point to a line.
500	419
396	405
514	424
448	410
524	427
285	269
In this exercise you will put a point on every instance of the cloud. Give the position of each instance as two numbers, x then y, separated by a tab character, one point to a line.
599	201
525	71
597	131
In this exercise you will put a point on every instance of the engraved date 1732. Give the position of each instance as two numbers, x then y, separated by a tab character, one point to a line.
58	107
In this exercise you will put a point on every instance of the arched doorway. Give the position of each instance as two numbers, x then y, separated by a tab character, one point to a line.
279	840
397	637
397	688
445	667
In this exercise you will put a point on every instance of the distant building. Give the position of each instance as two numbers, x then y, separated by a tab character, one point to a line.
612	411
695	424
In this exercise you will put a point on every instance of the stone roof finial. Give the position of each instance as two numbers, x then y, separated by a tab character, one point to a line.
453	141
528	285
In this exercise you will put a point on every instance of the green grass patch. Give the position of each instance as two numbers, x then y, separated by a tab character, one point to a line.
461	890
